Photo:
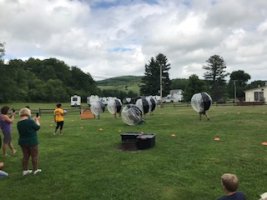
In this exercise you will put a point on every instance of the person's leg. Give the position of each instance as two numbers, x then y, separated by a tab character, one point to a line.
26	156
13	150
34	155
25	160
57	126
61	127
4	149
10	145
1	165
5	143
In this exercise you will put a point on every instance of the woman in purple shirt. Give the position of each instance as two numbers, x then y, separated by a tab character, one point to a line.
5	124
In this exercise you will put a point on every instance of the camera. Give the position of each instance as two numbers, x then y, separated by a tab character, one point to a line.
37	114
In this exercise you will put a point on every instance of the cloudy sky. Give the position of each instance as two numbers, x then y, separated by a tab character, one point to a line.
109	38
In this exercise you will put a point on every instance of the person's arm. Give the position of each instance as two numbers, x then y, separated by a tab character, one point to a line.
55	116
37	120
36	124
9	119
62	112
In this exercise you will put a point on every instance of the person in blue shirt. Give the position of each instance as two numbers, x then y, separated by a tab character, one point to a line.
230	185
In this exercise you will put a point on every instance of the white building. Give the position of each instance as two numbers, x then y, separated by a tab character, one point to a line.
176	95
75	100
258	94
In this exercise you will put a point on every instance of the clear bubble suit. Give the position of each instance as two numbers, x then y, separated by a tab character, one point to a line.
201	102
114	105
97	107
152	103
143	104
131	115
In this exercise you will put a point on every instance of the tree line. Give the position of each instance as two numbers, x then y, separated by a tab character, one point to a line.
52	80
48	80
214	81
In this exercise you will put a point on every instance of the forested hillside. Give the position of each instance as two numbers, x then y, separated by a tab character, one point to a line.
48	80
122	83
122	80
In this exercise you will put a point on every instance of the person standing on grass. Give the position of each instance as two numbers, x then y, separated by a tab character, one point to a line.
5	124
28	140
230	185
59	118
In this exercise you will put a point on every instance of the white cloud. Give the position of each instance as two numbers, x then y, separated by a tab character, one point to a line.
107	38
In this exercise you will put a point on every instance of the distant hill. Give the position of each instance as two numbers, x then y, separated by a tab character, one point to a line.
123	83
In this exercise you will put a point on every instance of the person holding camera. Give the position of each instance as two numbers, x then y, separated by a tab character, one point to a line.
28	140
5	124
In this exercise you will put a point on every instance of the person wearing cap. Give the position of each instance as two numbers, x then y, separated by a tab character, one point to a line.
28	140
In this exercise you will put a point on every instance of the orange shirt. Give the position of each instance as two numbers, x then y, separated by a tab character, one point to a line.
59	114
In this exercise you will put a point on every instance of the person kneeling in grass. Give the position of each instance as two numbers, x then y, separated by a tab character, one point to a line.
28	140
230	185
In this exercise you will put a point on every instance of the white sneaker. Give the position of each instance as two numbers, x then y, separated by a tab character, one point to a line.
37	171
26	172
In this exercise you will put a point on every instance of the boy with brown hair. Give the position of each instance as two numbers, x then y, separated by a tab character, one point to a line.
230	186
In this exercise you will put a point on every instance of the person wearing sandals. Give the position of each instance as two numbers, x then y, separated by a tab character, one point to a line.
28	140
5	124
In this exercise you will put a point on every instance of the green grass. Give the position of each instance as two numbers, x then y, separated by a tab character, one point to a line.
86	163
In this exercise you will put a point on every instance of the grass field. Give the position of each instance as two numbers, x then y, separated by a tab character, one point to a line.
87	163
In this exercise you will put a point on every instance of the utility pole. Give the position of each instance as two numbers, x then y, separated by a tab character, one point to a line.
160	82
234	91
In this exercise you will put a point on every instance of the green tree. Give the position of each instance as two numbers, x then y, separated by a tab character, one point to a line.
8	85
237	84
255	84
150	82
2	51
82	83
179	83
195	85
215	75
43	80
55	91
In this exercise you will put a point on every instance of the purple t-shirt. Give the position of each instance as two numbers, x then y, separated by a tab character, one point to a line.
4	125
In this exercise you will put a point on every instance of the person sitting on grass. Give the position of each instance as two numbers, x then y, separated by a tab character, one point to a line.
230	184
